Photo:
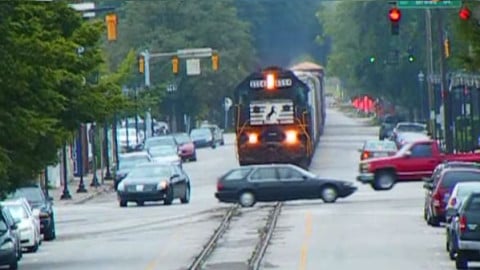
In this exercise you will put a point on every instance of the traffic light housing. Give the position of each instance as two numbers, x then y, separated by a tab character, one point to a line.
175	64
372	59
394	15
215	61
464	13
446	47
141	64
112	23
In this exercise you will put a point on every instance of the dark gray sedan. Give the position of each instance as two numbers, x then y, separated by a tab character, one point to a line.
154	182
279	182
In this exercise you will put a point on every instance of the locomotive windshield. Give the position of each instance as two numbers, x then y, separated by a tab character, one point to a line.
296	93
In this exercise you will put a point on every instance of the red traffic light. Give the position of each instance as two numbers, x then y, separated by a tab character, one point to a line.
394	14
464	13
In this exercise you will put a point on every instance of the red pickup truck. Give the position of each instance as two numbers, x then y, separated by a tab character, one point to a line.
413	161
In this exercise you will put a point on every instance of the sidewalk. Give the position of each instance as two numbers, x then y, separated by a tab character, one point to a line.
80	198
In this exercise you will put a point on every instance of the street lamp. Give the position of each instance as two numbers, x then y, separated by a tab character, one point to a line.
91	133
66	193
81	186
108	174
421	79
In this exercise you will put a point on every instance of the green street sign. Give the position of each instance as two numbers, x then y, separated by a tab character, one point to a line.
430	4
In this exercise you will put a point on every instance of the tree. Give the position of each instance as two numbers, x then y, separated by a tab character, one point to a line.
46	85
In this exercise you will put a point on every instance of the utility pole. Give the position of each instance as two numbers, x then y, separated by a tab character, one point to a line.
431	96
447	121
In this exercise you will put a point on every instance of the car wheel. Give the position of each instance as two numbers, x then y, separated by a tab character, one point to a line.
186	196
460	261
384	181
194	157
329	194
222	142
50	234
247	199
169	198
451	250
432	221
214	145
122	203
13	265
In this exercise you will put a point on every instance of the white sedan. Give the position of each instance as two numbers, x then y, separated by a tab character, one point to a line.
28	223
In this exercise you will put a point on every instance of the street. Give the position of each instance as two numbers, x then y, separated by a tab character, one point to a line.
369	230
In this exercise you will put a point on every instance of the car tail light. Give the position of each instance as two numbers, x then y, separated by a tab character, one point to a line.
462	223
437	198
365	154
219	186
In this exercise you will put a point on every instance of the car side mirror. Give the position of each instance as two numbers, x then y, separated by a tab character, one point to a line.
408	153
175	176
17	221
50	198
360	150
428	185
305	177
14	226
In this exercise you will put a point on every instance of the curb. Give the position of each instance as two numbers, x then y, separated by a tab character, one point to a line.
93	195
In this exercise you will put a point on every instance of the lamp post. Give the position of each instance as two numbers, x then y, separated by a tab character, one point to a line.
91	133
46	181
81	186
421	79
66	193
115	139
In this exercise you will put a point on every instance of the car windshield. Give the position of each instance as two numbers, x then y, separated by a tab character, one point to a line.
182	138
31	194
130	162
200	132
453	177
17	211
160	141
380	146
162	151
150	172
411	128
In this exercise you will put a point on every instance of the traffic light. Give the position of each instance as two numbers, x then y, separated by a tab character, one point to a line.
464	13
215	61
372	59
112	22
175	64
141	64
394	15
411	56
446	47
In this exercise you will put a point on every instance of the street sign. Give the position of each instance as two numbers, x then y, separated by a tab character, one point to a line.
227	103
85	7
193	66
429	4
195	53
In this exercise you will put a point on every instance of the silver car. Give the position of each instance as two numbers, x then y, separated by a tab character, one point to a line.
28	223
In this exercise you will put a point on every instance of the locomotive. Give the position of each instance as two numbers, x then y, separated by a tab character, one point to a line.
279	115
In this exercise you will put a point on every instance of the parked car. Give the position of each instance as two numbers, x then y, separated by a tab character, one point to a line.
439	192
10	247
202	137
404	138
278	182
129	139
377	148
186	146
413	162
408	127
37	200
459	194
217	133
154	182
127	162
165	154
464	239
28	223
386	128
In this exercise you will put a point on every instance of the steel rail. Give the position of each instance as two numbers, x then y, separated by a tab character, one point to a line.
259	252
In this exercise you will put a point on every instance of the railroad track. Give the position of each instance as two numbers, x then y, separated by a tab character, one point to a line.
231	224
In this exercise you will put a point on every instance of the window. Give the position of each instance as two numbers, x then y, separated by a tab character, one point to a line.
264	174
451	178
422	150
289	174
237	174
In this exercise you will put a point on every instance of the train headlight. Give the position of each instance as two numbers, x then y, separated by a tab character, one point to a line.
270	81
291	136
252	138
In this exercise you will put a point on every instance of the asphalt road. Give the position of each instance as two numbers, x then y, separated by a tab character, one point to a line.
369	230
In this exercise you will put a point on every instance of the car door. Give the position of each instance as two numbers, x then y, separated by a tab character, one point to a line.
266	185
420	163
294	185
178	182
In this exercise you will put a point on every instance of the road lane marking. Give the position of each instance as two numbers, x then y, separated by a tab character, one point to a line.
308	234
152	265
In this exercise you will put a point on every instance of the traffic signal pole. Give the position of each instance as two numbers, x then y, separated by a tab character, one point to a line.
431	96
